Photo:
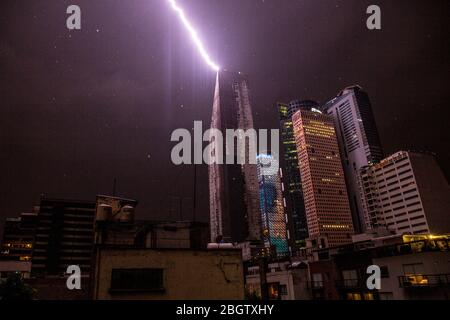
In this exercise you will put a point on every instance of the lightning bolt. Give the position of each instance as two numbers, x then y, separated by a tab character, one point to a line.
194	36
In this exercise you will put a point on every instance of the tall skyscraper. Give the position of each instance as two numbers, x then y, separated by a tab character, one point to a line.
408	193
234	198
358	141
293	193
272	206
326	201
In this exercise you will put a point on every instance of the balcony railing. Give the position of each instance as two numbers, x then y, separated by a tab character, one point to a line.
424	280
349	283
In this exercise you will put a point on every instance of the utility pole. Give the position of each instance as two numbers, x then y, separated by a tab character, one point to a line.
194	206
263	277
181	208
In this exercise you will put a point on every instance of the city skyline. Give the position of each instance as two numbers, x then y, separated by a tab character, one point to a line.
60	102
179	149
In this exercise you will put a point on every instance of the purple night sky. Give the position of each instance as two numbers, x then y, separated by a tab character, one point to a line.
80	108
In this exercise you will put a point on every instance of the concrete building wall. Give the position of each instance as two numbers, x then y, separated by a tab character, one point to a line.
323	275
293	283
431	263
434	191
187	274
408	193
359	143
55	288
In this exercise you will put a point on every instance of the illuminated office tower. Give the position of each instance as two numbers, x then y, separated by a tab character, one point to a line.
324	190
273	218
407	193
233	188
358	141
295	206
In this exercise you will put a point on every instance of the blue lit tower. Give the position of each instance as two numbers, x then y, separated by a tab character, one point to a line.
273	217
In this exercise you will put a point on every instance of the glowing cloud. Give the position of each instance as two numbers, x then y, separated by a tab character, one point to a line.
194	35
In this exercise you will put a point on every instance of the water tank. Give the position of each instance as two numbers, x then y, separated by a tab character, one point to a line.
212	246
126	214
104	212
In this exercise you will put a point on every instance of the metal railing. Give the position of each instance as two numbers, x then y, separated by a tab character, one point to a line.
424	280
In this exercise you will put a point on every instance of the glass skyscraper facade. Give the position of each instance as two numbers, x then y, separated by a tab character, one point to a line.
295	207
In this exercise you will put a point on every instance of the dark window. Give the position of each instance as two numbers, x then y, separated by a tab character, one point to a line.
419	224
283	289
391	177
384	272
409	191
412	197
137	279
413	204
406	178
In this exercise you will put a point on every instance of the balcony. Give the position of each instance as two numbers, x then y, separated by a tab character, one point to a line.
424	280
